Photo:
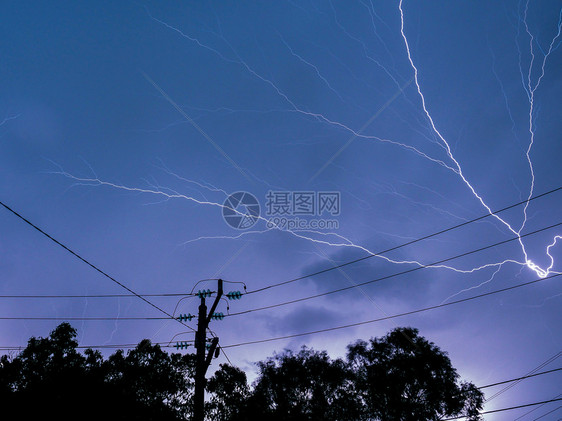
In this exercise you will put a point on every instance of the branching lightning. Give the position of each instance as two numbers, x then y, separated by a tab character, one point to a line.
9	118
294	108
531	89
450	163
317	237
315	68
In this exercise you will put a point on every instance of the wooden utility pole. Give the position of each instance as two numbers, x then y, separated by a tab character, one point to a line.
203	359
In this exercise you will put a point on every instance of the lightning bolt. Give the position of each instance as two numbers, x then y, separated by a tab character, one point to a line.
372	13
504	93
9	118
364	47
293	107
544	301
115	324
531	89
490	279
315	68
317	237
450	163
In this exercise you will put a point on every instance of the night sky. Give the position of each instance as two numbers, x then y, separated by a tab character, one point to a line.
124	127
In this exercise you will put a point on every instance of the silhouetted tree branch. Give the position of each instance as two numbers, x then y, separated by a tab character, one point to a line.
400	376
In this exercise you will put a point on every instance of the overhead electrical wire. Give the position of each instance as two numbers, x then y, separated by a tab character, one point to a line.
403	244
111	278
178	294
167	345
505	409
474	297
548	413
104	346
520	378
388	276
84	319
130	318
544	364
290	280
108	318
169	316
537	408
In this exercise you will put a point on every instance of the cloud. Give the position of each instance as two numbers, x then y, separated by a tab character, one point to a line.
303	319
393	288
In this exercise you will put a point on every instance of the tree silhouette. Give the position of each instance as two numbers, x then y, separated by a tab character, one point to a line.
48	371
402	376
229	393
307	385
160	383
51	378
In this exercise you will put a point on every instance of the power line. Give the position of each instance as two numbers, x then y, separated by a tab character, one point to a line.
83	319
92	265
104	346
133	293
393	316
505	409
536	408
548	413
520	378
404	244
515	382
280	283
178	294
140	318
389	276
101	271
544	364
109	318
169	294
167	345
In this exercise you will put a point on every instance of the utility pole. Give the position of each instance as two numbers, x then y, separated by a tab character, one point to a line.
203	360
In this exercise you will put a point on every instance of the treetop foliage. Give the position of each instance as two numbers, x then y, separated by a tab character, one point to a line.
400	376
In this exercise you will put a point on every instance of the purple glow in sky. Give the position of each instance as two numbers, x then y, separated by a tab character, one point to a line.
336	131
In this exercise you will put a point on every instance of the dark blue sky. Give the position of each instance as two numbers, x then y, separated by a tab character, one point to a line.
116	115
